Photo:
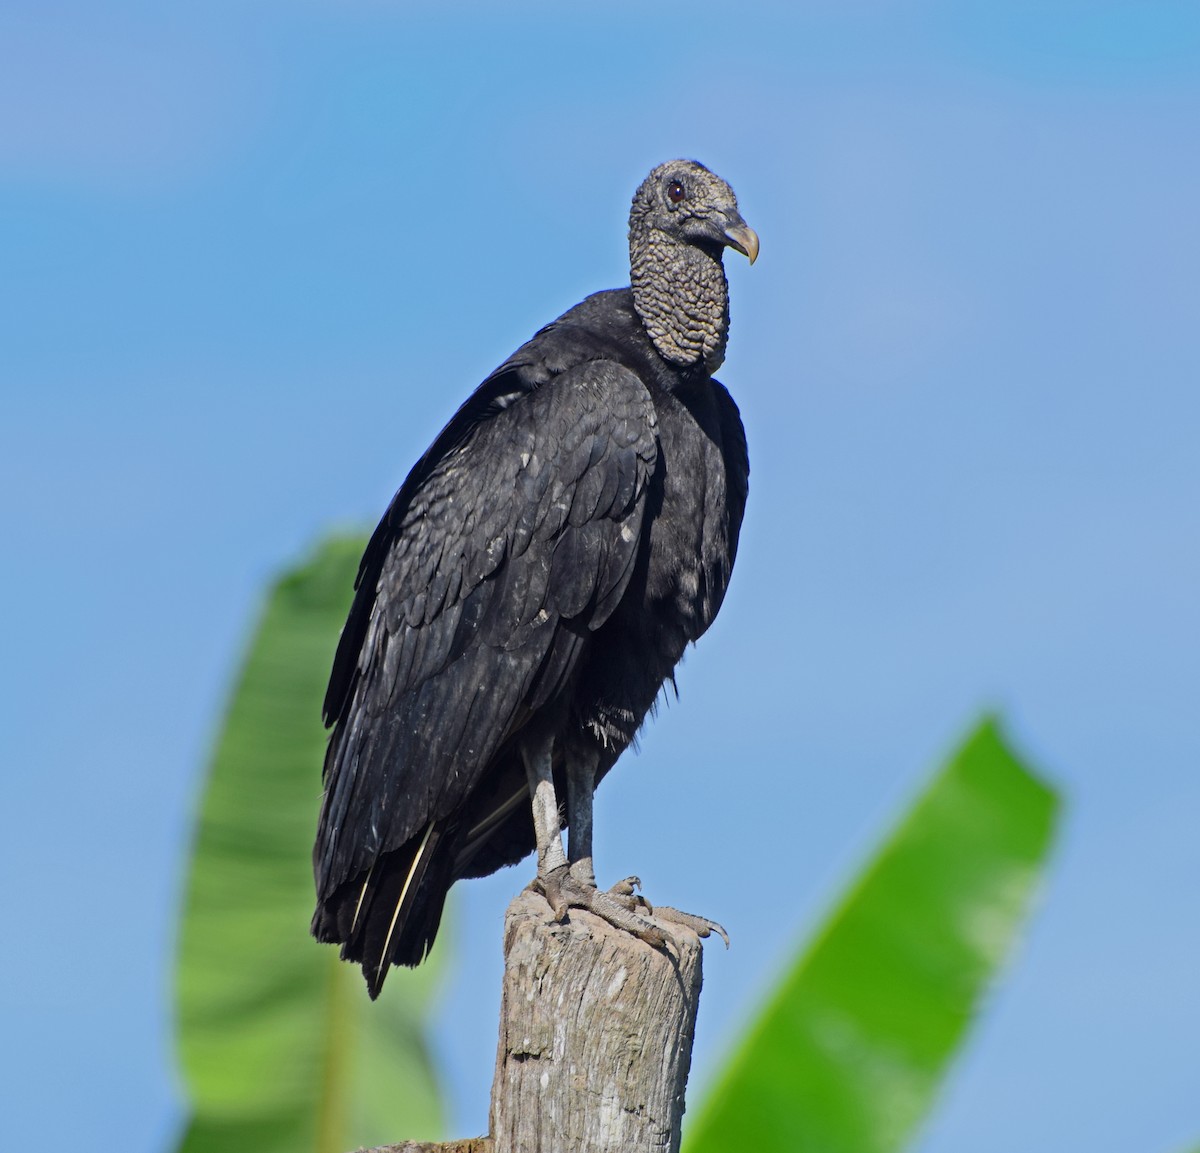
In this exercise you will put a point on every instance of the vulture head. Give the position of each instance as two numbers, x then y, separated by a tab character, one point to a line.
682	220
682	202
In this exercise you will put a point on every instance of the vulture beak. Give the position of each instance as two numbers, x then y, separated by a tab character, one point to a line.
741	236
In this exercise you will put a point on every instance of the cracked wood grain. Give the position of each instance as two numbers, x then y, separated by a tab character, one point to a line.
595	1042
596	1035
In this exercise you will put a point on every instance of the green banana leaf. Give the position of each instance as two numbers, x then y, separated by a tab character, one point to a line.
848	1053
280	1047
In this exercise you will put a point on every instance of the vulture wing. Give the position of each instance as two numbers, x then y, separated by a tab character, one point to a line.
513	538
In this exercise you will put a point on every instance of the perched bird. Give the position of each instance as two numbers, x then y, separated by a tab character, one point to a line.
530	589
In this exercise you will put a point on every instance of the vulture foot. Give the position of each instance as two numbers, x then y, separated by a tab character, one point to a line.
574	887
570	887
626	892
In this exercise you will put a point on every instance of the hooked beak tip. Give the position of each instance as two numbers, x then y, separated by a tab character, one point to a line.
742	237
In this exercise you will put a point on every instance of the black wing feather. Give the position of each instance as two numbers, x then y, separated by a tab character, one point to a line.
495	394
493	561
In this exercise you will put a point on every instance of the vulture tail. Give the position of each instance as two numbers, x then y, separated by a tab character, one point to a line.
389	915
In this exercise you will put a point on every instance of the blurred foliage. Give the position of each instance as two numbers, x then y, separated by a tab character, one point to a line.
283	1052
847	1054
281	1049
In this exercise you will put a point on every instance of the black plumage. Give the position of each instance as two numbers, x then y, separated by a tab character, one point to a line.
532	585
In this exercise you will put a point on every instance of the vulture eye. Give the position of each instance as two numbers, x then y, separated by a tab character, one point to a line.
675	192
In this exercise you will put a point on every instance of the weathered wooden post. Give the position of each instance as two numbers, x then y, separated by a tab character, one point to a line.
595	1041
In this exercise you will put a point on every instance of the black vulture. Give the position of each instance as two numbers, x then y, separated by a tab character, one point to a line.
530	589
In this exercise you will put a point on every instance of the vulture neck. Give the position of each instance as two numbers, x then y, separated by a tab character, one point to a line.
680	292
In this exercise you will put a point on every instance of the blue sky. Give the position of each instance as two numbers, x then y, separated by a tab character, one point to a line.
251	257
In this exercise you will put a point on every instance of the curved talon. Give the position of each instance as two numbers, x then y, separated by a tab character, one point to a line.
701	926
625	891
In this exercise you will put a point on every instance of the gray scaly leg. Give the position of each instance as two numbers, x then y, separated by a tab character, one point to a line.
569	881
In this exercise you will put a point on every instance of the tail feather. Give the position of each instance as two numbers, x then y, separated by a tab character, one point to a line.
389	915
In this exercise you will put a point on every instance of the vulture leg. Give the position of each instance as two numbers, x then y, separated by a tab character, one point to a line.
547	829
573	885
581	787
556	880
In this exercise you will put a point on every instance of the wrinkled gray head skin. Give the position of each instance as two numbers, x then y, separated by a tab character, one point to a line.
682	220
